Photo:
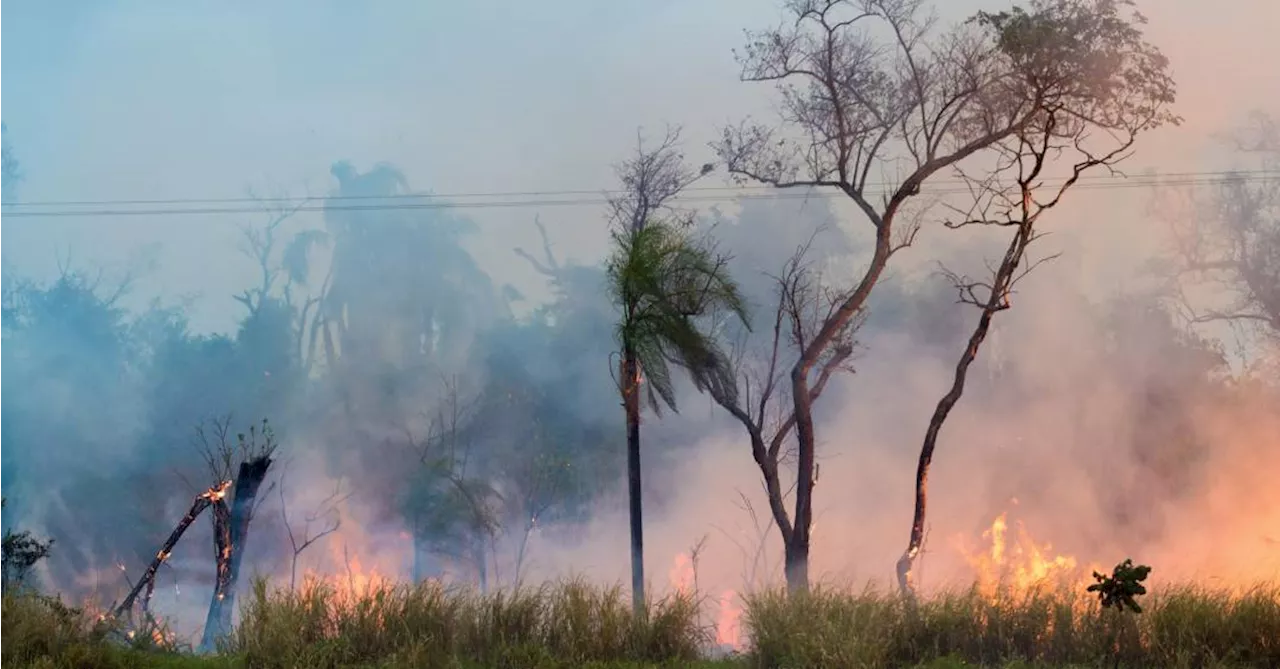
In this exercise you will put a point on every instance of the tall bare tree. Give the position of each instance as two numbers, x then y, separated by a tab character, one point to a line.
873	89
663	280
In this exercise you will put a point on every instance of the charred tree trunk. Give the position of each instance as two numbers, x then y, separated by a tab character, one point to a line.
147	583
996	301
631	403
231	528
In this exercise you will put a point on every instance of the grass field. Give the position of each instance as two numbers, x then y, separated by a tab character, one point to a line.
573	624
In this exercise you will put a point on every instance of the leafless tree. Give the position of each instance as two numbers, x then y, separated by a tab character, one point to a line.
762	403
325	514
856	106
249	457
1231	240
282	261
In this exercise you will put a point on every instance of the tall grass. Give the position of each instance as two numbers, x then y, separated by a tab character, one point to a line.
1182	627
569	623
574	624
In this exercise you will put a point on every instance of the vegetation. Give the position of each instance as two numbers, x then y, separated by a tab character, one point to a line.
405	375
573	624
664	281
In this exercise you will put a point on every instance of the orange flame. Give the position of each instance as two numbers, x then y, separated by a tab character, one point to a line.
728	621
681	574
1018	567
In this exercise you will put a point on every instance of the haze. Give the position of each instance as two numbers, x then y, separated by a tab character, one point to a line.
111	101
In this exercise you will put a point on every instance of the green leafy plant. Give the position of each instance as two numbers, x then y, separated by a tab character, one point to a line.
1119	589
1118	592
19	554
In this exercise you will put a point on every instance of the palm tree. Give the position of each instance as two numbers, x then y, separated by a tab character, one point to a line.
663	281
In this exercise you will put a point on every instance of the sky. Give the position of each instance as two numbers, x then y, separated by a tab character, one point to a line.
144	100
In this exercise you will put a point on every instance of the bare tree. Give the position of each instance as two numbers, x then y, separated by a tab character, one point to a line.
283	261
1231	240
904	108
250	457
761	401
326	511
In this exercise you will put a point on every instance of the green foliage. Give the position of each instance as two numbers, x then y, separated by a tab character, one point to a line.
1084	55
663	280
1119	589
19	553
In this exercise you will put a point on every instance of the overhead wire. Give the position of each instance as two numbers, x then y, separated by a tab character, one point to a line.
561	198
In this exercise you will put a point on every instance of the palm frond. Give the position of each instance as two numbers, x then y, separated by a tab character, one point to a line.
664	281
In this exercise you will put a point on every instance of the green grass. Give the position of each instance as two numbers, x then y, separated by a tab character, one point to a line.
573	624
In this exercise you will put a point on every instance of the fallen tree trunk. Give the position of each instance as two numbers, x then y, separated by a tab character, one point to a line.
147	583
231	528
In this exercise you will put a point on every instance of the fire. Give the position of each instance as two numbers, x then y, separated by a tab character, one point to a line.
1018	566
217	492
728	621
682	574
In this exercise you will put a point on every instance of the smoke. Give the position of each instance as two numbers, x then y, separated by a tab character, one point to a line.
1117	431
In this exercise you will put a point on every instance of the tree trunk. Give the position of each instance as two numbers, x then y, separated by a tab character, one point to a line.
797	549
232	528
796	564
995	302
146	585
631	402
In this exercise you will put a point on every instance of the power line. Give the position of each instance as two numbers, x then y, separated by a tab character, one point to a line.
397	201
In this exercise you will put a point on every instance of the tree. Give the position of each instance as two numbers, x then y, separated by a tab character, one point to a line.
1232	239
1091	127
914	103
759	400
662	280
326	510
248	459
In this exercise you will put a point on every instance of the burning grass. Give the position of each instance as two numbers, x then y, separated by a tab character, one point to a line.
574	624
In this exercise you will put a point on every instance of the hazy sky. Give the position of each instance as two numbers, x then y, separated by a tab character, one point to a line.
125	100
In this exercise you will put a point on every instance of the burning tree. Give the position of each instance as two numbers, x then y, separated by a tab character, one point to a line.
909	99
250	458
1090	111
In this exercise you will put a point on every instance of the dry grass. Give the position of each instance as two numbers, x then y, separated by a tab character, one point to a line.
1183	627
573	624
569	623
